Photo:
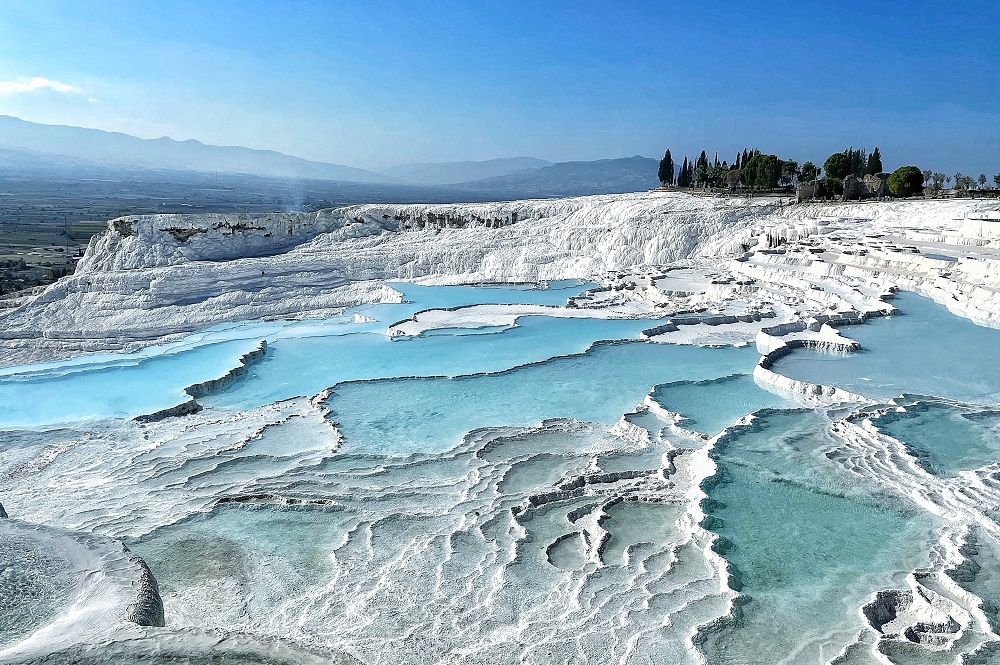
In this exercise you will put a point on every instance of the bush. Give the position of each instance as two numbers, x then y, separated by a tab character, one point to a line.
906	181
831	186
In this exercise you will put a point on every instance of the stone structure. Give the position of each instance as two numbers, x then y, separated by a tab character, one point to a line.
877	185
807	191
871	186
854	189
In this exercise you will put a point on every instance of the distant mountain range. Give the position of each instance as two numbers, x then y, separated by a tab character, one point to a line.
30	147
113	148
602	176
448	173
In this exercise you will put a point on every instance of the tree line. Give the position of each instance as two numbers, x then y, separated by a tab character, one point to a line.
750	169
755	171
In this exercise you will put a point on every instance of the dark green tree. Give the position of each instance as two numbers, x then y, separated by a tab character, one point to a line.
683	177
837	165
665	174
701	170
858	160
809	172
874	162
717	175
982	181
906	181
789	171
831	186
762	172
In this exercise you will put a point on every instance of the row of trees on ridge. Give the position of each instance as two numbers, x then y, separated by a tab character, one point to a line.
750	169
759	172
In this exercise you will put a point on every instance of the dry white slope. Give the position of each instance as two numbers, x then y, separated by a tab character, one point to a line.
150	278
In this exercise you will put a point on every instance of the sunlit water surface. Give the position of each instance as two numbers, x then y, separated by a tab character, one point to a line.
423	536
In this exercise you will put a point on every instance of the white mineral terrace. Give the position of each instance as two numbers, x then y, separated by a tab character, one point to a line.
550	540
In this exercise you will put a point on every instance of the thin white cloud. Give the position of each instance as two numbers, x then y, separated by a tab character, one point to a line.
37	83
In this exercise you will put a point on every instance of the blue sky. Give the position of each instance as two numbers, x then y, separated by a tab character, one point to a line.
372	83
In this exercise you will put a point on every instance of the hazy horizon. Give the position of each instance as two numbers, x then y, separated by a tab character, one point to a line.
375	85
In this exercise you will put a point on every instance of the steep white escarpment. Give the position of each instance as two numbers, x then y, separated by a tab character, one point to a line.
659	227
151	278
148	278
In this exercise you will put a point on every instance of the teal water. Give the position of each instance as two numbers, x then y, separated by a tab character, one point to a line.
925	350
808	543
980	573
121	389
945	438
305	366
127	385
401	416
407	526
710	406
443	547
251	556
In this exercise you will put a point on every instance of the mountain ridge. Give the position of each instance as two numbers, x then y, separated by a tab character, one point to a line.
601	176
117	148
451	173
33	147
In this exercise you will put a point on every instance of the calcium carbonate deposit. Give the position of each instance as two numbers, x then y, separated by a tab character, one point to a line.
644	428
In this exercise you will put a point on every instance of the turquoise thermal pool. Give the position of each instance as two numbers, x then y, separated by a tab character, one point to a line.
556	490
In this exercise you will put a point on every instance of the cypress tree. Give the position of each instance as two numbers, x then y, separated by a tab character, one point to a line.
665	174
857	161
701	170
874	162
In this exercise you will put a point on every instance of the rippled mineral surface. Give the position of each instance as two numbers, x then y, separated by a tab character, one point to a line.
517	473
